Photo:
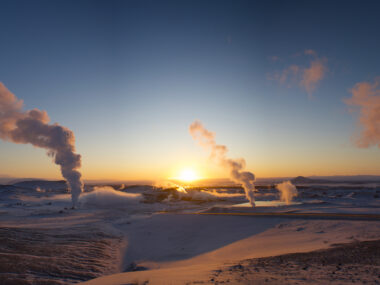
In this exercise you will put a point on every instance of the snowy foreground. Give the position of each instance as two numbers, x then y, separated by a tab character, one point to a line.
150	235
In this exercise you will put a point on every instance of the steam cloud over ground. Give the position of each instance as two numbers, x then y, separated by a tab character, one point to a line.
33	127
207	140
108	197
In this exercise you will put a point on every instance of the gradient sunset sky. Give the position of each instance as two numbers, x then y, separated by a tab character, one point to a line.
272	79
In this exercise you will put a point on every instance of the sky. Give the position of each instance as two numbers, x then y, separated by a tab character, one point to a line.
272	79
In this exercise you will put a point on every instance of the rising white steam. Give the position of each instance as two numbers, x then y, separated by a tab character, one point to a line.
165	184
191	194
196	195
218	152
108	197
33	127
287	191
204	195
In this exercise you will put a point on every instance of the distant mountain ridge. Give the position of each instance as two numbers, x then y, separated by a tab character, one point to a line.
44	184
336	179
356	178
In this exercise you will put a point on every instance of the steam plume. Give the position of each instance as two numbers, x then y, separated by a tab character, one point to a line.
107	197
288	191
207	140
32	127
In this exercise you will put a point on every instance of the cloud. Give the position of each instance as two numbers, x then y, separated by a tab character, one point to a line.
310	52
366	99
306	77
274	58
312	75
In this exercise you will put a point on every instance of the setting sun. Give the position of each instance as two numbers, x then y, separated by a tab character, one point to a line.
188	175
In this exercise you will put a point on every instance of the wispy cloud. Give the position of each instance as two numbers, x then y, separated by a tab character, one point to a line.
310	52
289	74
306	77
312	75
274	58
366	99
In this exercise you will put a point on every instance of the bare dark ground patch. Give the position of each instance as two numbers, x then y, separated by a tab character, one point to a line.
357	262
56	256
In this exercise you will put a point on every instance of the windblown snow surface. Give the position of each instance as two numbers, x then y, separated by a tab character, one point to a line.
146	234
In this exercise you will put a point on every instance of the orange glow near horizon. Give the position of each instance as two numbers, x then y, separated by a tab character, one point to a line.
188	175
33	163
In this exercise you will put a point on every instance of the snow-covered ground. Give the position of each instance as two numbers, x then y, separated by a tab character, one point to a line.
138	234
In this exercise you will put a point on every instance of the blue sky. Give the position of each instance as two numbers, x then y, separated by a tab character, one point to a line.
129	77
